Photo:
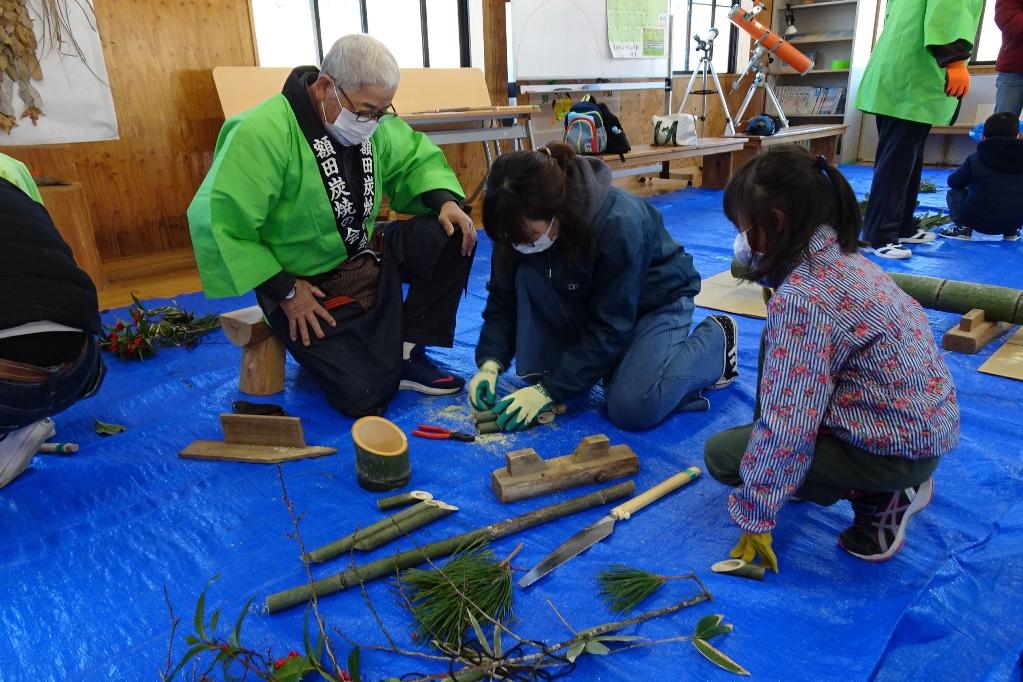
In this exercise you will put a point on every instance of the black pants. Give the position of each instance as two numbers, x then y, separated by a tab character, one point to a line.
358	362
960	211
893	191
837	467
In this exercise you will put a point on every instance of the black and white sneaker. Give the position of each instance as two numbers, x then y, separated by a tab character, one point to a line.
879	527
731	360
1012	236
957	232
422	376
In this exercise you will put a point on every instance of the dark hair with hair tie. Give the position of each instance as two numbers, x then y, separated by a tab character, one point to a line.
787	193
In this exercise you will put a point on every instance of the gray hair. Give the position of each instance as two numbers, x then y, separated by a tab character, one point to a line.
357	60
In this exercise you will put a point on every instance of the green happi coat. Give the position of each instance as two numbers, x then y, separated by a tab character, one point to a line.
263	207
903	80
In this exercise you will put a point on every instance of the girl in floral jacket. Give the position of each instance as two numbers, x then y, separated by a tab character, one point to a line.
854	400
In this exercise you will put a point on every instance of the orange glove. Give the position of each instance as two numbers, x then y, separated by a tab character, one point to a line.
957	80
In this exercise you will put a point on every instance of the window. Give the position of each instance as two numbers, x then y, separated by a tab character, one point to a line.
692	18
440	33
989	37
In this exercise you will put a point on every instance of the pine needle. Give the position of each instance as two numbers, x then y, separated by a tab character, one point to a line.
623	588
927	187
442	614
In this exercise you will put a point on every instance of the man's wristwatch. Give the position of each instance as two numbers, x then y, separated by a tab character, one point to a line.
291	294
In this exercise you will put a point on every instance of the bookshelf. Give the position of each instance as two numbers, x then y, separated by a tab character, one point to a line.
828	32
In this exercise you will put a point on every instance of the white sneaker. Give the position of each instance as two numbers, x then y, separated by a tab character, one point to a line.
896	251
18	447
918	237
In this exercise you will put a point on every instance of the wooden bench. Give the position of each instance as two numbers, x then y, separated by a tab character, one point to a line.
823	139
716	153
947	133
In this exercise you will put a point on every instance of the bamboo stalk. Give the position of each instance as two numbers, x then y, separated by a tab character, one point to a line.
58	448
484	417
433	511
342	545
413	557
402	499
739	568
488	427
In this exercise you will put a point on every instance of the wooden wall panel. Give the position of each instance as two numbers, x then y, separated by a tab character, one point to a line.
158	55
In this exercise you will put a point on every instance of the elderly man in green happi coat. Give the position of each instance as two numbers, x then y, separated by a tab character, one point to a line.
289	209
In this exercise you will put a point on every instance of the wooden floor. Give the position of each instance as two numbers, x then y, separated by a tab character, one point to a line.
170	273
159	275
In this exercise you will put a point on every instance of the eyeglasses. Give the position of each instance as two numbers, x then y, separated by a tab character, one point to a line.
364	116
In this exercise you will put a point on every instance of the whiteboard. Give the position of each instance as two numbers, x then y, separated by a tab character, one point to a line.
566	40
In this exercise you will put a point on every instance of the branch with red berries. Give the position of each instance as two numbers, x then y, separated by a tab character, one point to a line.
151	328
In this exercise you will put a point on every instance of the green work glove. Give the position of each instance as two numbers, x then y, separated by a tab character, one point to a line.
755	544
483	387
516	412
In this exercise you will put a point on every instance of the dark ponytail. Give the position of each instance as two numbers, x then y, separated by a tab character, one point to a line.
803	189
536	185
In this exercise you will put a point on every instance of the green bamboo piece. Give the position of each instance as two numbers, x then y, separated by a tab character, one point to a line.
342	545
433	511
483	417
413	557
739	568
402	500
488	427
1000	304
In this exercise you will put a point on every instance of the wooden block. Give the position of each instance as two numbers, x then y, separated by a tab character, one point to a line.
972	333
593	461
245	326
262	369
258	454
250	429
717	169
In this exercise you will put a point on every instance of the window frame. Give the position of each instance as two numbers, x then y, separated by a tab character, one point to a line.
464	38
973	61
732	45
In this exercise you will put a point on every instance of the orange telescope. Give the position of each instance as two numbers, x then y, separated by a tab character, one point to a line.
773	42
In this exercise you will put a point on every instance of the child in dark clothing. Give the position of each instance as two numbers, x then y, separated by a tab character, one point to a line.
984	193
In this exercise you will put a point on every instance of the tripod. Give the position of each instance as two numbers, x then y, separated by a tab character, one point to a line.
756	66
706	67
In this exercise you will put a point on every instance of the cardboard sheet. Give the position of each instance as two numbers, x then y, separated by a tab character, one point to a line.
728	294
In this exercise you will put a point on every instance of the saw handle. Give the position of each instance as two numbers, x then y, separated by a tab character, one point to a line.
630	507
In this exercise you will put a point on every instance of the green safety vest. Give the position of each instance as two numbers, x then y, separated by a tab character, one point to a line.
17	174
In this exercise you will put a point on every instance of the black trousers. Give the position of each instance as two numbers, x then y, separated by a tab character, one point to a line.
358	362
896	183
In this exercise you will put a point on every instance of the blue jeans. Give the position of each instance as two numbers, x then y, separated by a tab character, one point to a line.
661	372
1009	93
26	401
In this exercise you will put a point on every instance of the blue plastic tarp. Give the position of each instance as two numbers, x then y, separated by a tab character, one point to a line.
89	542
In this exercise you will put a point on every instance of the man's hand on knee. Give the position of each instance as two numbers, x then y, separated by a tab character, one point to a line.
305	312
451	215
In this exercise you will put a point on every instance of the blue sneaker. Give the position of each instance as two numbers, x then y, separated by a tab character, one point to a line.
420	375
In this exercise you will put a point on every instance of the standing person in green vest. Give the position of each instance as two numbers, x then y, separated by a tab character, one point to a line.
916	78
289	209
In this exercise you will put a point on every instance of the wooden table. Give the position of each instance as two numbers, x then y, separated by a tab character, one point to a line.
716	152
823	139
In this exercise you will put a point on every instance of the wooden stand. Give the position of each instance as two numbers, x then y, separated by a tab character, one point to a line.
251	438
262	371
972	333
69	209
594	461
822	138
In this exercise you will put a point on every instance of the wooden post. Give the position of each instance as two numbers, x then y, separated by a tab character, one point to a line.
262	370
495	50
717	168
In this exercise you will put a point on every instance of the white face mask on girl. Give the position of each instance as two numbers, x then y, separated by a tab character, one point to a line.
346	128
542	244
744	253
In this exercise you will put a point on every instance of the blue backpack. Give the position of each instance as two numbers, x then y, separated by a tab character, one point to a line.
591	128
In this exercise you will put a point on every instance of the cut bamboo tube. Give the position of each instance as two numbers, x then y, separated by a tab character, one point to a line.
402	499
413	557
58	448
381	454
434	510
484	417
488	427
342	545
739	568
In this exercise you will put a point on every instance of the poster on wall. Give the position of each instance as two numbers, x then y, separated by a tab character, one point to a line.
637	29
54	87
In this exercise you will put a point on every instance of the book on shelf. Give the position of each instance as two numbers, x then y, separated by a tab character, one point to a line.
803	100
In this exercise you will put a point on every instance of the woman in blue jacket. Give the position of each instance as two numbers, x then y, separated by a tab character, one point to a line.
586	285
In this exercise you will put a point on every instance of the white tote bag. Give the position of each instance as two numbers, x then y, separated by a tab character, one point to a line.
675	130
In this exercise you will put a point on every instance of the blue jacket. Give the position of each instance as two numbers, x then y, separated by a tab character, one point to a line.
634	267
993	179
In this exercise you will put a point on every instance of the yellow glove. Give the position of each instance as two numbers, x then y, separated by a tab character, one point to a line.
957	79
483	387
755	544
518	411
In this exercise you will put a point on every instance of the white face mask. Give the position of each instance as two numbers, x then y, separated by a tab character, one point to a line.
542	244
346	128
744	253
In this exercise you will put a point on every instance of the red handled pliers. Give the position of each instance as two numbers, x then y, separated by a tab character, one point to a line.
438	433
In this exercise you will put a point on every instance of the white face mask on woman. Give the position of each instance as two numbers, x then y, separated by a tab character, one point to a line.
542	244
744	253
346	128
